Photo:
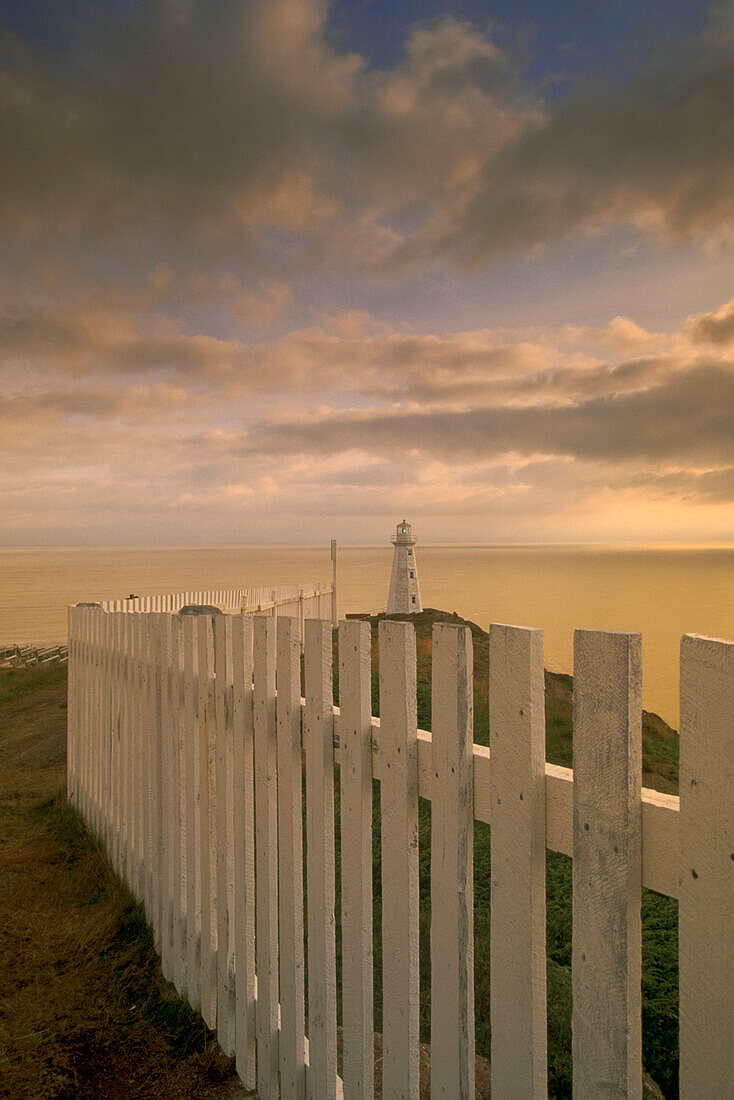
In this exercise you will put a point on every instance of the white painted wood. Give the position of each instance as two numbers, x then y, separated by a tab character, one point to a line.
193	812
116	760
222	734
97	720
167	786
71	704
105	727
146	763
178	824
290	861
399	805
156	777
607	865
136	750
266	856
452	872
83	652
318	740
229	826
355	784
207	818
706	911
125	749
243	801
517	959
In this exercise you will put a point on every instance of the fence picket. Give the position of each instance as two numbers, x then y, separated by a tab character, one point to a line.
155	732
266	854
243	808
452	881
355	785
290	862
225	895
399	803
136	726
318	741
207	812
177	808
167	787
517	944
117	761
193	812
607	864
706	910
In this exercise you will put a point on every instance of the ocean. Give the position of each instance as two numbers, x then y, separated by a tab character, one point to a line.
663	592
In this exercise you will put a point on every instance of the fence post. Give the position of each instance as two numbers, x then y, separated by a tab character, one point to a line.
399	832
706	912
607	864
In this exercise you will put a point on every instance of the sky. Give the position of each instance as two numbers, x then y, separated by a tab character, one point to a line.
275	271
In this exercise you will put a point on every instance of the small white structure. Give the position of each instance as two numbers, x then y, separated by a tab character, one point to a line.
405	593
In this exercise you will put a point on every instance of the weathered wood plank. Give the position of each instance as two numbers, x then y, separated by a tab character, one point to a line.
266	856
517	956
178	822
243	803
193	812
607	865
207	819
706	912
222	735
355	784
452	876
290	862
399	841
169	768
318	740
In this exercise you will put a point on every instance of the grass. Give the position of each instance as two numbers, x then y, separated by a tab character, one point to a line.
84	1010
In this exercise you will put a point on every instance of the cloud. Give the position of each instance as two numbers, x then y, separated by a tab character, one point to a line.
716	327
654	151
204	116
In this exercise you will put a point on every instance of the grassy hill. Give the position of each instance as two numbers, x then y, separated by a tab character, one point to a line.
659	741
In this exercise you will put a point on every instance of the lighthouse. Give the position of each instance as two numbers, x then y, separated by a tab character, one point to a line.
405	593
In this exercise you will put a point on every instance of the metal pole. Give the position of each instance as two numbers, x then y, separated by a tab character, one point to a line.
334	616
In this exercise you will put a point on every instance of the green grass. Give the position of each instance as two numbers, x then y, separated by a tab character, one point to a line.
17	684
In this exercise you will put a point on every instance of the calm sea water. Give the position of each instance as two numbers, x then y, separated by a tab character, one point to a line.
661	592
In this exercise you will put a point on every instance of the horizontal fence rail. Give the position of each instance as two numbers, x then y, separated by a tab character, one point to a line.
191	739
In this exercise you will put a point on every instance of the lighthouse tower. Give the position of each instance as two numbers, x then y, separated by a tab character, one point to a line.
405	593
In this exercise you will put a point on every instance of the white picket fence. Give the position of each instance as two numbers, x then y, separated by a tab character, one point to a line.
188	766
312	601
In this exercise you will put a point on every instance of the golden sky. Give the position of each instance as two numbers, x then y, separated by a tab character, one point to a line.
266	280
